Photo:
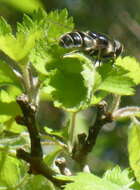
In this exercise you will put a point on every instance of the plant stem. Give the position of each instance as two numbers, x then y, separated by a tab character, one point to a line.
35	157
126	112
115	103
29	112
54	141
26	80
30	82
85	145
72	131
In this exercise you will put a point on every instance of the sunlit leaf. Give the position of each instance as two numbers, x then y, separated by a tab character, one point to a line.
10	173
132	66
115	80
118	177
89	181
134	149
71	84
47	50
7	77
19	46
39	183
49	158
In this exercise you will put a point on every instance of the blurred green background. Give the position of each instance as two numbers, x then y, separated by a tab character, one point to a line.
121	20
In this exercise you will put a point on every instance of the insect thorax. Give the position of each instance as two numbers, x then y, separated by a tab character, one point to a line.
92	43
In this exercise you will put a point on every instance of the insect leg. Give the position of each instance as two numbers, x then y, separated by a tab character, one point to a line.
98	60
75	51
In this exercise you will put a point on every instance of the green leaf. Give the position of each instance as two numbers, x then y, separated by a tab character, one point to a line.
136	186
134	149
47	51
99	96
7	76
118	177
115	80
82	124
131	65
13	141
8	106
38	182
9	109
10	173
59	23
18	47
52	132
40	57
71	84
89	181
12	126
49	158
62	134
78	125
5	28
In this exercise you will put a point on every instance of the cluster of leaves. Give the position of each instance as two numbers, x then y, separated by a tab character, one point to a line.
112	179
71	81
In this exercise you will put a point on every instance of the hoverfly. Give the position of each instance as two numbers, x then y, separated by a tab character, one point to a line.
92	43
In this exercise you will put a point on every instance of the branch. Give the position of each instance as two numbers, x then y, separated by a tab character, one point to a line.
131	111
35	157
86	144
29	118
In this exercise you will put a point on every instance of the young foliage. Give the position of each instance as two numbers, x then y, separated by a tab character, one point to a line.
47	54
37	182
112	180
7	77
11	170
59	23
118	177
133	148
132	66
9	110
75	74
49	159
18	47
114	79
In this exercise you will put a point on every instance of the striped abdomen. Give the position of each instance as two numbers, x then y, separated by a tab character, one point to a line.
77	40
94	44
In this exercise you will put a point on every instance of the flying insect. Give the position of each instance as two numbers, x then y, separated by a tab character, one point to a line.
92	43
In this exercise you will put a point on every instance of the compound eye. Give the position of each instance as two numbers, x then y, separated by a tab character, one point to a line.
66	41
